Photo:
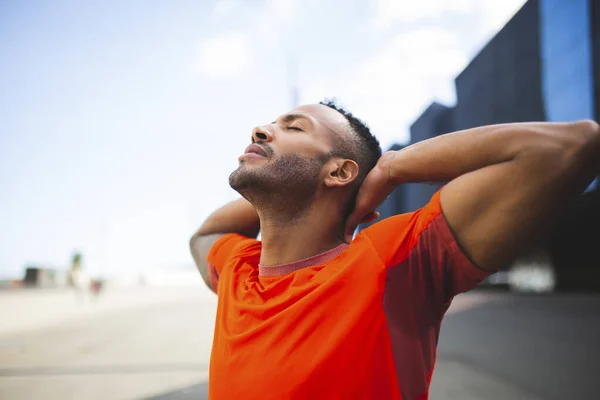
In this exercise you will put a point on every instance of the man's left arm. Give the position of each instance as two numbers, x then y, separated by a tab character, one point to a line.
505	181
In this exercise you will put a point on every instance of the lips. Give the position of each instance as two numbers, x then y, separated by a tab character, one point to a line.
256	149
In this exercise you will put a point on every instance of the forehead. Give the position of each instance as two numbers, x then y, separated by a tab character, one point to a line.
325	119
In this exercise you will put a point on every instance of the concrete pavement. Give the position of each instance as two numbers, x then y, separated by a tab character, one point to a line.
522	347
27	309
499	346
492	346
132	350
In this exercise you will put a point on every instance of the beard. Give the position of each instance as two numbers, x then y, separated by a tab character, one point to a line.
283	188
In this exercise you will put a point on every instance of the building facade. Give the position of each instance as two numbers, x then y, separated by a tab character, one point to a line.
543	65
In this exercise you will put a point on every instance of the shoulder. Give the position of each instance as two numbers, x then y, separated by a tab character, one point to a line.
415	222
234	245
396	236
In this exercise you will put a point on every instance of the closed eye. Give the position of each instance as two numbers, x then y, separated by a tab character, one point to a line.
295	128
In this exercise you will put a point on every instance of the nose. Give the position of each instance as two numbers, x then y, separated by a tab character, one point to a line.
261	133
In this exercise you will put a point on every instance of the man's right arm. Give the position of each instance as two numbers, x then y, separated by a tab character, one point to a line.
505	181
239	216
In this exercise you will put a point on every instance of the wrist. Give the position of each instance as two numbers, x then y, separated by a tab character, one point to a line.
392	169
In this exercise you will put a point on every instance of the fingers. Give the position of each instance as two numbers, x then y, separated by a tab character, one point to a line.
351	226
359	214
349	233
372	216
354	221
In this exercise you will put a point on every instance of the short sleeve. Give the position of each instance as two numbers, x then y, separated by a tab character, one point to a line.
227	250
423	246
424	269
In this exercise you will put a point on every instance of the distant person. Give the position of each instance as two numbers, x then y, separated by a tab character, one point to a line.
309	312
81	283
96	286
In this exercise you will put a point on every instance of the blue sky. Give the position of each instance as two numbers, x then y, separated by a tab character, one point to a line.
121	120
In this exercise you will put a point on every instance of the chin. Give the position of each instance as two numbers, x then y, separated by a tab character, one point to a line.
234	178
243	177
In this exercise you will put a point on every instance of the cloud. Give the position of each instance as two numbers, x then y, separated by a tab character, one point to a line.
418	64
259	12
390	89
224	9
388	12
494	14
229	55
224	57
269	23
488	15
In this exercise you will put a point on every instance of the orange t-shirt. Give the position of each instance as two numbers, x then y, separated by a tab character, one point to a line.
360	321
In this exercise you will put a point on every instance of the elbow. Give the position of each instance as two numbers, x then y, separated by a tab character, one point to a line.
204	230
577	150
574	140
563	145
588	125
584	143
194	240
589	131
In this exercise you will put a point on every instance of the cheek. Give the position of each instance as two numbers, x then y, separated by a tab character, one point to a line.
304	145
296	166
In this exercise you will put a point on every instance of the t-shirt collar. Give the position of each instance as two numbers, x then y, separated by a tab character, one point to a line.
283	269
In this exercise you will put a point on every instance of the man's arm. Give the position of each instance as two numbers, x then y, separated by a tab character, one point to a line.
238	216
505	181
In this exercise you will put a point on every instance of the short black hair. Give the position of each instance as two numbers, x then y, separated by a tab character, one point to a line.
361	147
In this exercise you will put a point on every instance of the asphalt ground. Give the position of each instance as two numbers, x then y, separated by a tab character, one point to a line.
518	347
492	346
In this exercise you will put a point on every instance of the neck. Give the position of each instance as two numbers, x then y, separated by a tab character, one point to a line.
285	240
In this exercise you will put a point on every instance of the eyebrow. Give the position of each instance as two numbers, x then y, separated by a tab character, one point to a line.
292	117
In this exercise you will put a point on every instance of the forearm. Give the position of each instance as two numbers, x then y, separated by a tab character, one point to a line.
446	157
238	216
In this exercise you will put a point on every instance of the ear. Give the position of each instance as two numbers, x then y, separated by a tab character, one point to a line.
341	172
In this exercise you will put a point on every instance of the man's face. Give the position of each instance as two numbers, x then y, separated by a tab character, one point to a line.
286	157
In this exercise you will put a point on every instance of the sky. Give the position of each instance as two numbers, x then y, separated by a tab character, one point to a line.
120	121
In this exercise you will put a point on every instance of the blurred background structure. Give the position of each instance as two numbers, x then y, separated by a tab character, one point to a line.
121	122
543	65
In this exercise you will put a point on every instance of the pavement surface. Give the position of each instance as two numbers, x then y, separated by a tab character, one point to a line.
492	346
130	344
29	309
521	347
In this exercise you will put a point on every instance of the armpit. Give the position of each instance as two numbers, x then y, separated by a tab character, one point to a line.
199	247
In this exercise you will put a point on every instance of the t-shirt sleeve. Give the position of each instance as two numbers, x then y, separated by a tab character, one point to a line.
423	247
226	251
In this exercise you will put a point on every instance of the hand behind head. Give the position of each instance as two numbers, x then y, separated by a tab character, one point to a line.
351	226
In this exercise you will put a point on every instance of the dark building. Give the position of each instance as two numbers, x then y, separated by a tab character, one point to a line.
436	120
566	54
503	82
543	65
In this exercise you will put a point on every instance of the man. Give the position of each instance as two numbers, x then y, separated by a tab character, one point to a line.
310	313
